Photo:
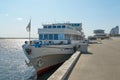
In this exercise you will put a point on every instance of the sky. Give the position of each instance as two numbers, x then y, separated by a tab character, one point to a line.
93	14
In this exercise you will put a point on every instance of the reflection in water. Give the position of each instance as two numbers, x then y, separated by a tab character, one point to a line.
12	65
12	62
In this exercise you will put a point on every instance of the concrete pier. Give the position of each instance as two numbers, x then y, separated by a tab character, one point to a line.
63	72
101	63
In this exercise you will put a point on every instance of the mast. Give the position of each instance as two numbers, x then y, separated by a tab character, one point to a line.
29	35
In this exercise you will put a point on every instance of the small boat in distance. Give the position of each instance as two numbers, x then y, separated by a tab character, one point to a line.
57	42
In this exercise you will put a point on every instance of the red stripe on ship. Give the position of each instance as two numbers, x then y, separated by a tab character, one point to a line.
48	68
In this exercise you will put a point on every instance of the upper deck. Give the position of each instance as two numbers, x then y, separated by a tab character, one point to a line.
77	26
61	31
64	28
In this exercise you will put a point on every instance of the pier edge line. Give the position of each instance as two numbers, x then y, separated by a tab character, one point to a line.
63	72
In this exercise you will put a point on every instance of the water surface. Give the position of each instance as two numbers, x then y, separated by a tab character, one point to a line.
12	61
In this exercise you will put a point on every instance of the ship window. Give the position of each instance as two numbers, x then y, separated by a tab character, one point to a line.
61	36
78	24
54	26
50	36
40	36
45	36
58	26
73	25
55	36
45	26
49	26
63	26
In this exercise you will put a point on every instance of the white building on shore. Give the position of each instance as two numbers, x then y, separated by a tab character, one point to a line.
114	31
99	33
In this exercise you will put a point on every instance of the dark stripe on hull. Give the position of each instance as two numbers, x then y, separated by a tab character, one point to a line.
47	69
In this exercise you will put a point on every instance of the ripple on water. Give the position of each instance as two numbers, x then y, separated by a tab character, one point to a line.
12	65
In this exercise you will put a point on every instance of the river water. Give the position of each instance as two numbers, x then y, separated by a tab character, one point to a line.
12	61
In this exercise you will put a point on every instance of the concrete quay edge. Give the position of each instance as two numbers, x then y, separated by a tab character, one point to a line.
63	72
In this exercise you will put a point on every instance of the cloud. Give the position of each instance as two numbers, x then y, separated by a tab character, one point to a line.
19	18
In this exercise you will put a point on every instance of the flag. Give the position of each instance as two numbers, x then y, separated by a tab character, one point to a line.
28	28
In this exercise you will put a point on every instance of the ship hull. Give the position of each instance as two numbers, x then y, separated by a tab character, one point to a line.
48	62
45	58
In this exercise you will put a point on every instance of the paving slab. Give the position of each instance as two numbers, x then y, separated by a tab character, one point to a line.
101	63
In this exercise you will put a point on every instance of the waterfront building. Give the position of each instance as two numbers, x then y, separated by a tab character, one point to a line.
114	31
100	33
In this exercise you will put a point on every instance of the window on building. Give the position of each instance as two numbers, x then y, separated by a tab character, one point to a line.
78	24
45	26
63	26
55	36
50	36
60	36
45	36
40	36
73	24
54	26
49	26
58	26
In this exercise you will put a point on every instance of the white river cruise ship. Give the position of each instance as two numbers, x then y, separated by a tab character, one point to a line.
57	42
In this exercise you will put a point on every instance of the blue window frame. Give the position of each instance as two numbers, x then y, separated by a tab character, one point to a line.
50	36
55	36
40	36
63	26
49	26
45	36
45	26
58	26
77	24
60	36
73	24
54	26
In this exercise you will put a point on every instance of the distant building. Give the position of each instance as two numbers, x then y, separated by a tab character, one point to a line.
114	31
99	33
